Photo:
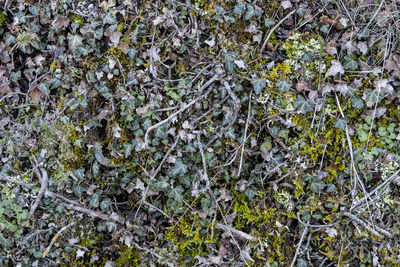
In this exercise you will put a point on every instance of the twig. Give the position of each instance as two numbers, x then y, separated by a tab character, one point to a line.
147	250
101	158
368	227
236	232
55	238
153	127
245	136
44	181
386	182
9	180
273	29
154	173
299	245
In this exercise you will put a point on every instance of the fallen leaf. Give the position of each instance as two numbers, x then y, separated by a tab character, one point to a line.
114	38
363	47
5	89
286	4
335	68
330	47
302	86
327	20
80	253
61	22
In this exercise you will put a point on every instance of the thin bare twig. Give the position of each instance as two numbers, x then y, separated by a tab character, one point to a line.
245	136
200	97
57	235
369	227
273	29
236	232
299	245
9	180
44	181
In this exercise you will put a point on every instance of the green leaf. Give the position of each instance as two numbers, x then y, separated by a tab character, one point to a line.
176	193
317	186
250	12
302	104
372	97
161	132
382	131
105	204
341	124
357	102
110	18
259	84
74	41
179	168
283	85
238	10
350	63
230	133
95	199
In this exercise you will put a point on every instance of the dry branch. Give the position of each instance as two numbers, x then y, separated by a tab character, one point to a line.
200	97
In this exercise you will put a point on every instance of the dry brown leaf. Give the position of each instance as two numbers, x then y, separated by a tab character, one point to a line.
5	89
60	22
330	48
335	68
327	20
302	86
35	95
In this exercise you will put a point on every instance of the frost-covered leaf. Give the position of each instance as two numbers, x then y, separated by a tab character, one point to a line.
317	186
350	63
238	10
161	132
95	199
250	12
302	104
371	97
357	102
74	41
176	193
283	85
180	168
336	67
259	84
341	124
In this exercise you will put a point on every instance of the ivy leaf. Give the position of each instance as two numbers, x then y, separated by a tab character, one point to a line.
357	102
350	63
250	12
95	200
229	62
371	97
302	104
341	124
238	10
317	186
74	41
259	84
176	193
161	132
283	85
110	18
179	169
105	204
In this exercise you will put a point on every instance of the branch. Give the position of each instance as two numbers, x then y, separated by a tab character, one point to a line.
200	97
44	181
368	227
9	180
236	232
55	238
273	29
